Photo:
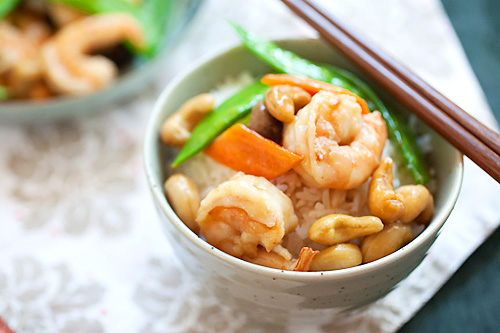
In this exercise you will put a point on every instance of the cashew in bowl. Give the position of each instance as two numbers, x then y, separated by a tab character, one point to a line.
419	203
283	101
383	201
393	237
340	228
407	203
338	256
176	130
184	198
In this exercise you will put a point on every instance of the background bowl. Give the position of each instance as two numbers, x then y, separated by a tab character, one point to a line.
127	85
283	296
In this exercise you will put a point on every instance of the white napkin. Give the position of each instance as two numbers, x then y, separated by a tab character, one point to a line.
81	249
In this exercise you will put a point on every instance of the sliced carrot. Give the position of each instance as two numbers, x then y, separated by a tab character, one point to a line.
311	86
243	149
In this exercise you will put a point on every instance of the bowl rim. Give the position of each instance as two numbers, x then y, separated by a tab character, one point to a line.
151	141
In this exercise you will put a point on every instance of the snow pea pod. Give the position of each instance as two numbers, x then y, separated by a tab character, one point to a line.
290	63
6	6
220	119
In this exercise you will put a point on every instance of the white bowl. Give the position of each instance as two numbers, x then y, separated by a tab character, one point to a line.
266	293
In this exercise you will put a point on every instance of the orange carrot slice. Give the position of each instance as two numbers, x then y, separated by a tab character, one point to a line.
243	149
311	86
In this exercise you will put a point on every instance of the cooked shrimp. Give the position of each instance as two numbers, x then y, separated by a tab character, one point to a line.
12	48
20	52
277	260
244	213
31	25
68	66
341	147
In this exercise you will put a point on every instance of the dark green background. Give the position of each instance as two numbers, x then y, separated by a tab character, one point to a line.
470	300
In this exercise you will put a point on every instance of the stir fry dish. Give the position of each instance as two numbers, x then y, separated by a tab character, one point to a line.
52	48
293	172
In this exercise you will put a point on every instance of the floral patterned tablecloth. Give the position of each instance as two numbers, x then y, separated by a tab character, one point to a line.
81	248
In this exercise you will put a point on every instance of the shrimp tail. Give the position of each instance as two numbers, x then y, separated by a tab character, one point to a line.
306	257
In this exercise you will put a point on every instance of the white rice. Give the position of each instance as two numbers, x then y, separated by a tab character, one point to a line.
230	86
311	204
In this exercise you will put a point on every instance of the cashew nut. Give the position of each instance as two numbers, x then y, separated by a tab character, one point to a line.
184	198
383	202
176	130
393	237
339	228
338	256
282	101
419	203
299	96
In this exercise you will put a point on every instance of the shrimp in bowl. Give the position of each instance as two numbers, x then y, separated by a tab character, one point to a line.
341	147
68	67
248	217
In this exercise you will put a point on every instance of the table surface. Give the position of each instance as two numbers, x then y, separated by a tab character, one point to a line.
470	300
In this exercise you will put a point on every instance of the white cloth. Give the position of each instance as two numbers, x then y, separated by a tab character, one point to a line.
81	248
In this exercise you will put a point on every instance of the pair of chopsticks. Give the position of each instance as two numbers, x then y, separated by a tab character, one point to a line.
463	131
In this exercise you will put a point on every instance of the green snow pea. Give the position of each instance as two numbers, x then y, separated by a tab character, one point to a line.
6	6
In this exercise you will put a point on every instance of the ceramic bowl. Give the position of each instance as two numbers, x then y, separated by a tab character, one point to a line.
284	296
128	85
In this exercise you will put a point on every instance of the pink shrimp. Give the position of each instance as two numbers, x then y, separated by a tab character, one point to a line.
341	148
70	69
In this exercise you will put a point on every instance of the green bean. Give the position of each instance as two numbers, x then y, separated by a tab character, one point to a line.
221	118
154	16
6	6
290	63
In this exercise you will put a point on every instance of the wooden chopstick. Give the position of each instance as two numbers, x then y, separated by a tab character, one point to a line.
454	124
